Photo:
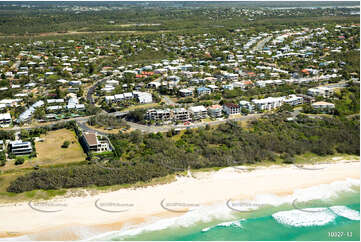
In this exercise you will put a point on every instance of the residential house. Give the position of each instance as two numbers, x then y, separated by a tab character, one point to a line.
246	105
231	108
215	111
203	90
323	106
186	92
320	91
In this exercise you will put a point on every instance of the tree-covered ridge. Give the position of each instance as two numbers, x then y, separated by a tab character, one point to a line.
141	157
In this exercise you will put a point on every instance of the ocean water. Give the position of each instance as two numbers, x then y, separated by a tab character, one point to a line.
324	212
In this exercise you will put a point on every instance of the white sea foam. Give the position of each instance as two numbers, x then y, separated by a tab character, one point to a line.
320	192
202	214
299	218
206	229
346	212
236	223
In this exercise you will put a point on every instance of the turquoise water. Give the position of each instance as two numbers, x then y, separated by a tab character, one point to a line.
318	219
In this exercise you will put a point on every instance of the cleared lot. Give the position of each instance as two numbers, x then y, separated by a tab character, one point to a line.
50	152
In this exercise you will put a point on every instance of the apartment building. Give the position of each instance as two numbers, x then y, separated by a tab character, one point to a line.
181	114
293	100
320	91
5	119
95	143
19	147
198	112
143	97
158	114
268	103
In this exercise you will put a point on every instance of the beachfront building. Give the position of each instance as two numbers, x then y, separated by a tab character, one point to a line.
215	111
231	108
181	114
94	142
268	103
5	119
19	147
158	114
198	112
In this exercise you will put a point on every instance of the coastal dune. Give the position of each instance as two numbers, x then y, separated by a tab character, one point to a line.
84	217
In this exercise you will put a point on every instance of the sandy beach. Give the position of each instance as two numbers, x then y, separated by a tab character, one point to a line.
63	218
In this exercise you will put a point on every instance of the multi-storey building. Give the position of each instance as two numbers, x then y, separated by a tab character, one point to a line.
158	114
181	114
231	108
95	143
19	147
198	112
215	111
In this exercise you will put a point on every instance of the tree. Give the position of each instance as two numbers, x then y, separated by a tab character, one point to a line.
19	160
65	144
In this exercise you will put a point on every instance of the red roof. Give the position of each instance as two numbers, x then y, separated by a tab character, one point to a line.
140	76
231	105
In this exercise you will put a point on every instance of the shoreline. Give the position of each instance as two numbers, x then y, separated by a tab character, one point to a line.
111	211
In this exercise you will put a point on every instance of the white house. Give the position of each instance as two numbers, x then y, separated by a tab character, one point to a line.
198	112
5	119
185	92
143	97
19	147
215	111
268	103
320	91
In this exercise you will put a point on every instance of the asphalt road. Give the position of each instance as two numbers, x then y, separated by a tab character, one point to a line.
261	43
89	95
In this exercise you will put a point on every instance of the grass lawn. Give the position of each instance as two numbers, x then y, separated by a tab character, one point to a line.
145	106
49	152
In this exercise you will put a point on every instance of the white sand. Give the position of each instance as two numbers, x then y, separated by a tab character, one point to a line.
143	203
